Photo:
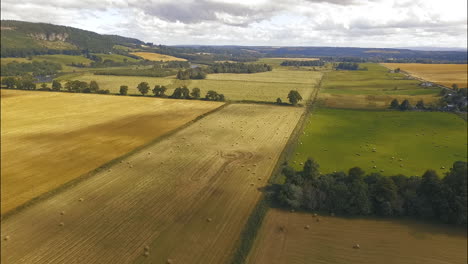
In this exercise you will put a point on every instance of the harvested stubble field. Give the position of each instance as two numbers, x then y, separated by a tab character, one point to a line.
156	56
186	198
283	238
51	138
265	86
445	74
374	88
341	139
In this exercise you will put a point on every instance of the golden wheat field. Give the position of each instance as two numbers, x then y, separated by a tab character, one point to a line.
156	56
297	238
186	198
49	138
445	74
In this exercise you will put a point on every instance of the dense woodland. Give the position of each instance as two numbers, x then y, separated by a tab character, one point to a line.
355	193
303	63
37	68
228	67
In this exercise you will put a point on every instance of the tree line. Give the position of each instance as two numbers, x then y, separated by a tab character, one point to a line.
225	67
350	66
302	63
355	193
181	92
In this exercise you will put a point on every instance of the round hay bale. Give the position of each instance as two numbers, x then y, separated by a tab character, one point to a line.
318	220
6	237
61	224
62	213
81	199
259	179
314	215
332	214
131	166
443	167
121	161
401	165
375	167
146	254
169	261
109	170
381	170
252	184
146	248
307	227
209	219
356	246
393	157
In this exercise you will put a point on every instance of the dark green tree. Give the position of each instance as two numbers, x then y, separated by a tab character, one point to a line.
394	104
93	86
311	169
56	85
159	90
123	90
405	105
195	93
143	87
278	101
420	105
294	97
9	82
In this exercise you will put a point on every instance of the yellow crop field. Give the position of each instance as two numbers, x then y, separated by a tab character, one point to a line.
265	86
49	138
445	74
184	199
284	238
156	56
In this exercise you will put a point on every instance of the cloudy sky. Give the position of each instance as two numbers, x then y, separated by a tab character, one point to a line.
356	23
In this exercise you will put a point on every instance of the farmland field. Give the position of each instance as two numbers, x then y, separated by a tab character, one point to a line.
64	60
283	239
265	86
156	56
186	197
445	74
341	139
115	57
374	88
49	138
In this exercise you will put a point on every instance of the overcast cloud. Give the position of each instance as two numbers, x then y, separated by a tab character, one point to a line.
357	23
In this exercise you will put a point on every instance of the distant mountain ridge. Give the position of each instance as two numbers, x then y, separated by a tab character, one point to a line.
19	39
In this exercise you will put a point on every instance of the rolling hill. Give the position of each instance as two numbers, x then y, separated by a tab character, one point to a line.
21	39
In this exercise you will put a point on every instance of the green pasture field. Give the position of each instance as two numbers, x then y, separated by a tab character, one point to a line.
64	60
372	89
340	139
375	81
267	86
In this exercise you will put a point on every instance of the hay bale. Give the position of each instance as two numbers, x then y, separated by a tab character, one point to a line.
61	224
109	170
375	167
314	215
62	213
318	220
252	184
81	199
146	254
356	246
6	238
169	261
307	227
146	248
443	167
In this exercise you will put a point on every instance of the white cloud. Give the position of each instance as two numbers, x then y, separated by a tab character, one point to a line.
377	23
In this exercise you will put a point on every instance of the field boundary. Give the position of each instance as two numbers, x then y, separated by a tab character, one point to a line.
255	220
104	166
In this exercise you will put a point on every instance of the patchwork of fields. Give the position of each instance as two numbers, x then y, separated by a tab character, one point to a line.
186	197
445	74
374	88
265	86
341	139
284	239
49	138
